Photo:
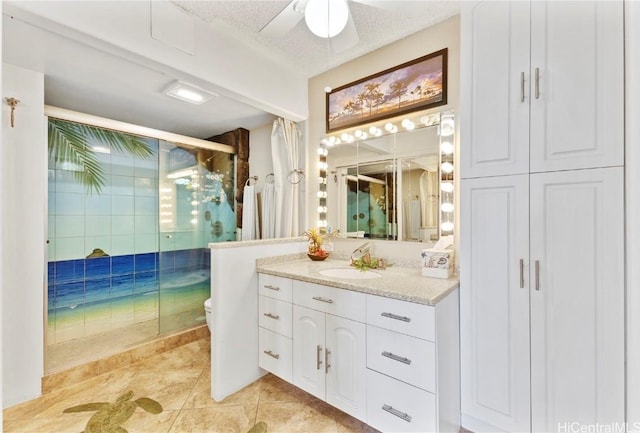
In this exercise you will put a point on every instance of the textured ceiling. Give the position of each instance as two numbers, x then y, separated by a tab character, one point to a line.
378	23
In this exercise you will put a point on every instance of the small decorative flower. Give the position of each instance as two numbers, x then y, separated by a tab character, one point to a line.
315	242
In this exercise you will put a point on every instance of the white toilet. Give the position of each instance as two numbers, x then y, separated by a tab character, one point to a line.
207	313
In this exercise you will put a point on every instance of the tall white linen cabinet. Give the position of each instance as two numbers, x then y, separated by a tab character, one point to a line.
542	215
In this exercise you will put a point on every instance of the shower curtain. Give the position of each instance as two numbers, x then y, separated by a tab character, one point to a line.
285	139
429	198
268	211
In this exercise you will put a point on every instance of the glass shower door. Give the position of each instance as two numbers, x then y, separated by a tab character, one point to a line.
192	205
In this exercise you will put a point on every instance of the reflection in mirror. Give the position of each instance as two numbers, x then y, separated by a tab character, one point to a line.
387	187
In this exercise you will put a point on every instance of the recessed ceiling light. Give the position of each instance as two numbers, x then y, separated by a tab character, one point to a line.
188	92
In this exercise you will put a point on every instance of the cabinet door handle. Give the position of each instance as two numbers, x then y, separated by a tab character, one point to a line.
521	86
327	352
271	316
271	354
318	357
522	273
537	275
270	287
396	412
321	299
395	316
537	83
397	358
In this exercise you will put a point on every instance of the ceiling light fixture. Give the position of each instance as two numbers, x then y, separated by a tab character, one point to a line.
326	18
188	92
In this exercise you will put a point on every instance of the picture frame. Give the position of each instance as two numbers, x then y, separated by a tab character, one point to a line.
418	84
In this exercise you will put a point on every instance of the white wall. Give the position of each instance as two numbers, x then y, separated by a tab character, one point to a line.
24	186
632	195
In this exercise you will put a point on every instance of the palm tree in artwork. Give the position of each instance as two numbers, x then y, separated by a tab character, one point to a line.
350	107
360	101
418	90
373	96
397	89
68	143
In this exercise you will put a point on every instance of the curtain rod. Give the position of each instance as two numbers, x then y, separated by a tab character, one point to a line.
102	122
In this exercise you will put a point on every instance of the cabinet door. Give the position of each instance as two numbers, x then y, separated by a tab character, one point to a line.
345	364
495	89
577	298
308	350
578	97
494	304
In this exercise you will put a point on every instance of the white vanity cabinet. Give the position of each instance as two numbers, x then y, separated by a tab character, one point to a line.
541	86
329	345
275	325
390	363
412	365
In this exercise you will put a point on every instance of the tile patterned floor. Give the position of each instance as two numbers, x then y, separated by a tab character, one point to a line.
179	380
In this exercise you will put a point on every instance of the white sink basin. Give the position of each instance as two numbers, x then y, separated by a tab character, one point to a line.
353	274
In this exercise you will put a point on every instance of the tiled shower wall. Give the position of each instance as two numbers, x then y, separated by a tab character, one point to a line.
92	295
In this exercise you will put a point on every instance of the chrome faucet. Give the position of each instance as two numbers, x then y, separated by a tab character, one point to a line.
361	252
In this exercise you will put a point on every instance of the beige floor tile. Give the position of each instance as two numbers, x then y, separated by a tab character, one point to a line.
224	419
273	389
201	395
170	388
297	417
72	424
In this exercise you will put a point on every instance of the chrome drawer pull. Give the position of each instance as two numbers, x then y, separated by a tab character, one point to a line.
318	356
271	316
321	299
396	412
397	358
395	316
270	287
271	354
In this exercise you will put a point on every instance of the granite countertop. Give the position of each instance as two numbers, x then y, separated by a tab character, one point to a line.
397	282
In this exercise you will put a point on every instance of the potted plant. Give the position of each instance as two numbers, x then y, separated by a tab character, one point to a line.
315	251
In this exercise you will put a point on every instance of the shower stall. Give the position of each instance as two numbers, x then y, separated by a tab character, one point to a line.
130	218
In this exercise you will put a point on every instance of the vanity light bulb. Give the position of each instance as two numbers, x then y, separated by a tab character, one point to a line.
446	148
358	133
447	126
194	203
322	194
364	136
393	129
321	150
378	132
410	126
446	186
405	123
322	180
332	140
425	120
338	141
446	227
389	126
373	130
447	207
344	136
446	167
194	221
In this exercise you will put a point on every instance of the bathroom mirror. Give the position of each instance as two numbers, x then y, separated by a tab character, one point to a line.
389	187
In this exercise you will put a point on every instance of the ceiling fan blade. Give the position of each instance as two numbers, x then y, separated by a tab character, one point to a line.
347	38
282	23
408	6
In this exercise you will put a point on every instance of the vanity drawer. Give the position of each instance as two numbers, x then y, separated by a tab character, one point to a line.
275	315
393	406
408	318
276	354
275	287
405	358
339	302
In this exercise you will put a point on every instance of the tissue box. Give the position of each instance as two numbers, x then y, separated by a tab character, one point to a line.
437	263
